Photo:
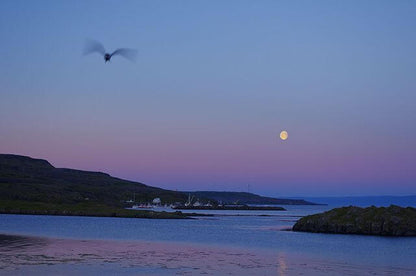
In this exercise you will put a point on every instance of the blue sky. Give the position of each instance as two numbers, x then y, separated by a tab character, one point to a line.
213	85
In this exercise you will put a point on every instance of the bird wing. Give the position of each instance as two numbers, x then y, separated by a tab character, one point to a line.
92	46
126	53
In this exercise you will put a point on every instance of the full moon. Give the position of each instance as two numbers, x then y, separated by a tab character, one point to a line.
283	135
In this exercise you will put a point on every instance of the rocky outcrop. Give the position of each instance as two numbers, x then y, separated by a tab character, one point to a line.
383	221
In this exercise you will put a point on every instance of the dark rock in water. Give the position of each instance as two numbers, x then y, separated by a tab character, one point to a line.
383	221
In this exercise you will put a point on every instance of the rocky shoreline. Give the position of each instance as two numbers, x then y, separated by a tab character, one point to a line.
381	221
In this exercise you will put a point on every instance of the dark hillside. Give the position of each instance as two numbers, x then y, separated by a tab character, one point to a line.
28	179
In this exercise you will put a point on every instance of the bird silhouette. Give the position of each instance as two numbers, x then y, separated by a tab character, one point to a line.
92	46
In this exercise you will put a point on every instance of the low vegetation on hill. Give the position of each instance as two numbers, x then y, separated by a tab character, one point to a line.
384	221
89	209
34	186
26	179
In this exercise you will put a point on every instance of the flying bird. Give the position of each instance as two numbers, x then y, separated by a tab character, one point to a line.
92	46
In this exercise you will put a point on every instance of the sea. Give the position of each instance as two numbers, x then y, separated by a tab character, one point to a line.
227	243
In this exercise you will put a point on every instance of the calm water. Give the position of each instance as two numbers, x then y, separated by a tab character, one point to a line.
246	230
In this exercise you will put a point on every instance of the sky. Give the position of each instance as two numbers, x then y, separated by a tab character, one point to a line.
214	84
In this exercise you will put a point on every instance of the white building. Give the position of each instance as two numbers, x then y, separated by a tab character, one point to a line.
157	201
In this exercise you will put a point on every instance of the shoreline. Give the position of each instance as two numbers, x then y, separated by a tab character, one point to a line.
24	254
90	209
145	215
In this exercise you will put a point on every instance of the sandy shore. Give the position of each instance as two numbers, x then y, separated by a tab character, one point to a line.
21	255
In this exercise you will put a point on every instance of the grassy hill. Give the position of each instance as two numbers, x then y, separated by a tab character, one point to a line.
27	179
34	186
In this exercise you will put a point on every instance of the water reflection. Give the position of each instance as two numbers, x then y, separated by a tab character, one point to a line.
30	255
9	243
281	264
15	248
38	255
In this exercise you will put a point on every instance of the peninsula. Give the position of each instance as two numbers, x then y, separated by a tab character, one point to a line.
34	186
